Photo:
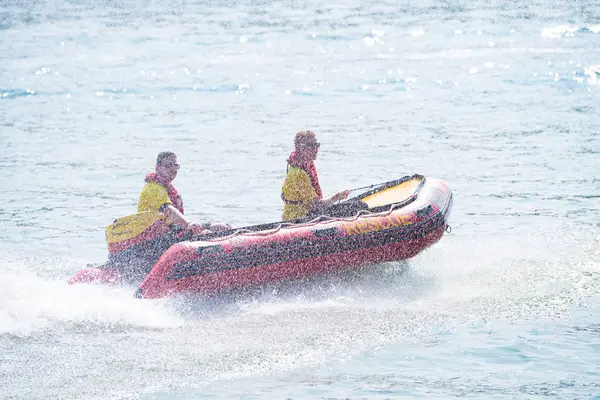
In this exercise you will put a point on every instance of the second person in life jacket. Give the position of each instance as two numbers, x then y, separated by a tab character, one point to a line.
159	194
301	192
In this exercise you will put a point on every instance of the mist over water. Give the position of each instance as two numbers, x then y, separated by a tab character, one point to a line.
499	101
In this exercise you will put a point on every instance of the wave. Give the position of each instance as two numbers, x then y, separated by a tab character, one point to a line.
30	304
593	74
565	31
14	93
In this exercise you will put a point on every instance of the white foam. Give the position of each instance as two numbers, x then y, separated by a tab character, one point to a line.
594	28
593	74
29	303
559	31
417	32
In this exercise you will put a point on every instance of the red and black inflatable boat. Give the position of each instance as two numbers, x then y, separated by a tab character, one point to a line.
395	221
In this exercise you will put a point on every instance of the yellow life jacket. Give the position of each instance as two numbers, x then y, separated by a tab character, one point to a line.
297	193
135	229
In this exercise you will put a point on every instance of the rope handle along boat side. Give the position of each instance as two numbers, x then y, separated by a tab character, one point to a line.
385	185
267	229
369	186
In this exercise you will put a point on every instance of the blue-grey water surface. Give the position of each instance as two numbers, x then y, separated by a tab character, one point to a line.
498	99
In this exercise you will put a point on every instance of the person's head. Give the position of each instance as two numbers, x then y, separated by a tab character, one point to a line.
166	165
306	145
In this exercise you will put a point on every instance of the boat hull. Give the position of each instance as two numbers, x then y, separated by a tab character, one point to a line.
302	250
98	275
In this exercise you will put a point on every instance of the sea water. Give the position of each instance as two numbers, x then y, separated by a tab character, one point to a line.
498	99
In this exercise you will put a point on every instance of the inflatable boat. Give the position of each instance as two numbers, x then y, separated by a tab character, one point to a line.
394	221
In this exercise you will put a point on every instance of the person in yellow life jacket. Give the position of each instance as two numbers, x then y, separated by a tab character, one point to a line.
301	192
159	194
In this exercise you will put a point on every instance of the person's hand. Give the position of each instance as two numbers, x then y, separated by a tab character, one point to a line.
197	229
341	195
219	226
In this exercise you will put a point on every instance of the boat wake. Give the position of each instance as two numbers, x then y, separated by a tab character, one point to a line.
32	303
462	280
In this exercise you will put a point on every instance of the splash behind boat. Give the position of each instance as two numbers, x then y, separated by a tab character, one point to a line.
395	221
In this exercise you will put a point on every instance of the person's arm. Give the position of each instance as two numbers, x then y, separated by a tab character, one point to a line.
319	205
180	220
297	187
154	197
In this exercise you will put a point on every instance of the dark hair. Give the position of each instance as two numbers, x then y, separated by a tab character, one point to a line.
164	155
